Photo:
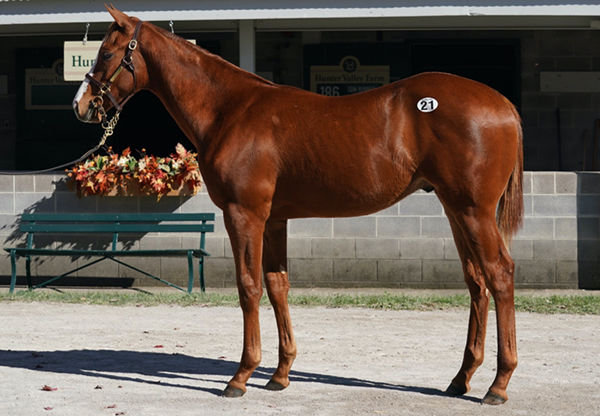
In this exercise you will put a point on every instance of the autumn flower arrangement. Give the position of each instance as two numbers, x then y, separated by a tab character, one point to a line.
123	174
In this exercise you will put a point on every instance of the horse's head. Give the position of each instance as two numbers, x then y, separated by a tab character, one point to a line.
117	73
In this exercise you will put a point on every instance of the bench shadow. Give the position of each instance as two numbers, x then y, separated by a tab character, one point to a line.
133	366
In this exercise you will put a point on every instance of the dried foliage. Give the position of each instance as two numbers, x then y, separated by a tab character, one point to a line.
121	174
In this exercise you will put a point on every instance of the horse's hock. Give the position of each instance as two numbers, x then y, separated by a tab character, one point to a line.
406	245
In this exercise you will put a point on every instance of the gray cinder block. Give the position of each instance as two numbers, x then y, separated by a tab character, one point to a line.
44	202
219	272
442	271
377	248
7	203
535	272
335	248
555	250
555	205
588	205
536	228
7	183
566	272
421	204
354	270
311	270
44	183
354	227
436	227
573	228
299	248
398	227
542	182
24	183
399	271
566	183
311	227
422	248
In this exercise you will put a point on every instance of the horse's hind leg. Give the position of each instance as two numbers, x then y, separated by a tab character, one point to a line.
277	283
474	350
483	238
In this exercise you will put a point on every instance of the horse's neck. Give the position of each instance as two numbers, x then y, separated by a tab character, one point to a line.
193	85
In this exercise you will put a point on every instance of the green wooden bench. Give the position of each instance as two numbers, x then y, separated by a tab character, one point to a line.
115	224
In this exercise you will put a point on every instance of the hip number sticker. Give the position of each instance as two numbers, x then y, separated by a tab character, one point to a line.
427	104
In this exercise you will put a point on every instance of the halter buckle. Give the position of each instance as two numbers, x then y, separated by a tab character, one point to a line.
98	101
132	44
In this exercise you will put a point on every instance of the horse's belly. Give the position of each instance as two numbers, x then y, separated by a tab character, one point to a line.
321	198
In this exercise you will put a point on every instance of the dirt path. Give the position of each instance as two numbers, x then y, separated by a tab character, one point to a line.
175	361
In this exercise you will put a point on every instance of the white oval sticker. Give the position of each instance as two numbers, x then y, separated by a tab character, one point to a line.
427	104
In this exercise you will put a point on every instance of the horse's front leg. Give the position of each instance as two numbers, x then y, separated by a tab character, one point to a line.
277	282
245	228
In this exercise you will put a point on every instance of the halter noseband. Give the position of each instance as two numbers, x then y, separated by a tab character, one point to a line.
104	88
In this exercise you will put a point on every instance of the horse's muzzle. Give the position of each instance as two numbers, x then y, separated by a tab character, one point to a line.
89	116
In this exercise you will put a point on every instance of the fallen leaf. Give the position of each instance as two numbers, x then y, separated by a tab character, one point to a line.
119	413
222	357
112	406
158	346
48	408
48	388
179	345
98	387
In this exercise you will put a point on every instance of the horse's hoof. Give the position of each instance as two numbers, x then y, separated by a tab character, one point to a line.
274	386
232	392
454	390
493	399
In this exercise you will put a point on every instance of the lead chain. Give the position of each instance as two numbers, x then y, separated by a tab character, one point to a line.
108	126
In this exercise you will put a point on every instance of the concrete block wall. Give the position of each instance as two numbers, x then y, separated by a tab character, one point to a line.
407	245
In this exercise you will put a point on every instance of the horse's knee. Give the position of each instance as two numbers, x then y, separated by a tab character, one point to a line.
250	292
277	283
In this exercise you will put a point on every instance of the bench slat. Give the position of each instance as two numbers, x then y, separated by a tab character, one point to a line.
143	217
114	228
22	251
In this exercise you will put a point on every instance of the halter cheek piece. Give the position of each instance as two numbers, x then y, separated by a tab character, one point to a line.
104	88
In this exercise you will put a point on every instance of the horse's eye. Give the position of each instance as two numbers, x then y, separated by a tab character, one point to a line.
107	55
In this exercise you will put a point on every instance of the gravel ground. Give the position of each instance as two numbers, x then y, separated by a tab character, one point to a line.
151	361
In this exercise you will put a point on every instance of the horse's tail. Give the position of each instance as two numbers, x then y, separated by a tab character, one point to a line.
509	215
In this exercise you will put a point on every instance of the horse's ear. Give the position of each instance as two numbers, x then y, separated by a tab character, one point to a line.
120	18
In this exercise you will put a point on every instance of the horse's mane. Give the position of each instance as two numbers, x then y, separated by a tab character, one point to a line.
197	49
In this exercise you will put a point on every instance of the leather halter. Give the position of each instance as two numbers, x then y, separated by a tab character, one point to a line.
126	62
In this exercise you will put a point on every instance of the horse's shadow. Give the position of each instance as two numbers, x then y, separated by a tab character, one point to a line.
120	365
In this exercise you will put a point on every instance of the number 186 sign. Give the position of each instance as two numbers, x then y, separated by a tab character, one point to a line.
348	77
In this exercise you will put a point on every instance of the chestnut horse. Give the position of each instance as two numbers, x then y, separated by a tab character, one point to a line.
269	153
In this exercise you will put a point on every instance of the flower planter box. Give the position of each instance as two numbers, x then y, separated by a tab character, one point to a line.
132	189
124	175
